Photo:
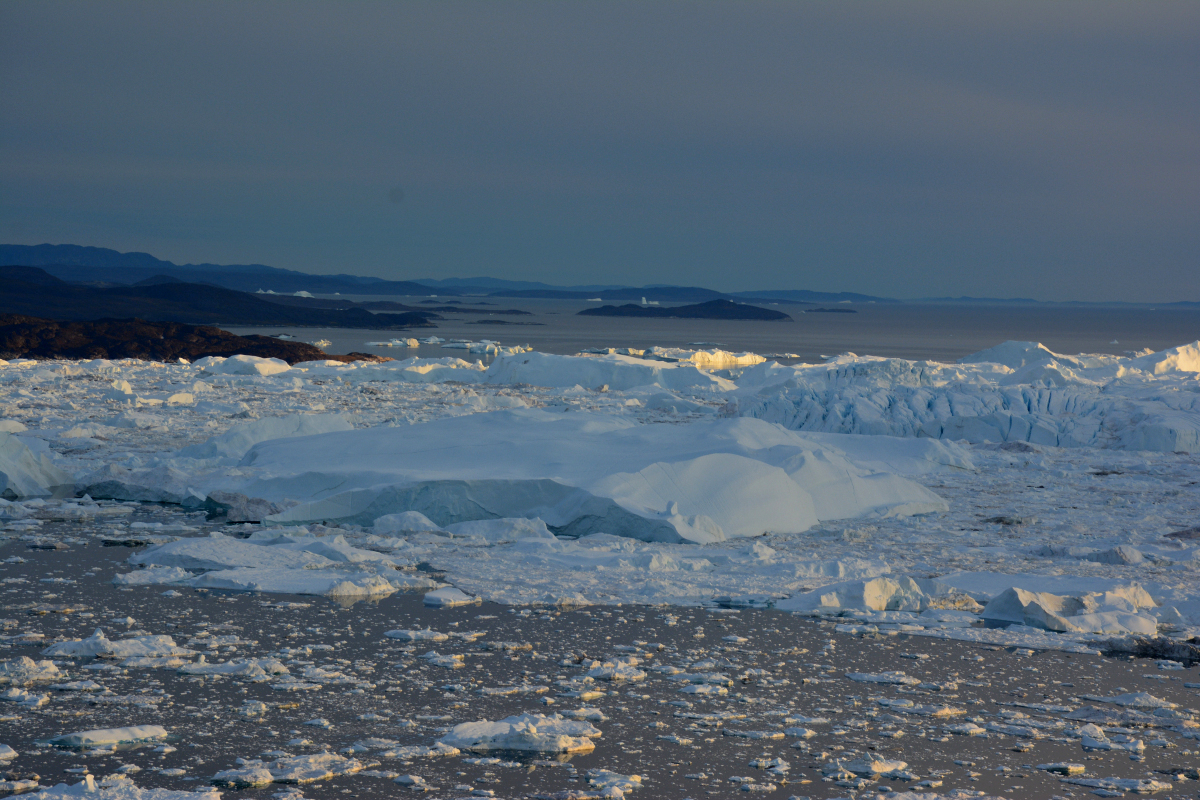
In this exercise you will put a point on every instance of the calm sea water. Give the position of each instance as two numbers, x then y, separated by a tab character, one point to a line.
934	332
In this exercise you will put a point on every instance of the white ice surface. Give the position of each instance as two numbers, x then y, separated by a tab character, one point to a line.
1074	501
26	474
235	442
580	473
116	788
1017	391
524	732
105	736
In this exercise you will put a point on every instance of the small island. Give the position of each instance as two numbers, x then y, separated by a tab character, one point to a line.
713	309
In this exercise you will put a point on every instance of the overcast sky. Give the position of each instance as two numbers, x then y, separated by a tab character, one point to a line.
1037	149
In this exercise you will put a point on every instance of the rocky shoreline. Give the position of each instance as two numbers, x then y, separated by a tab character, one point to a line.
38	338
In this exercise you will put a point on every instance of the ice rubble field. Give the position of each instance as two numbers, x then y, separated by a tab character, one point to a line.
1020	487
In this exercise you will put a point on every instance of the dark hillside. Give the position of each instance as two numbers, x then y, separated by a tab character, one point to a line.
32	291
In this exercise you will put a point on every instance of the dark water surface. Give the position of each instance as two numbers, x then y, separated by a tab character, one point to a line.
781	666
934	332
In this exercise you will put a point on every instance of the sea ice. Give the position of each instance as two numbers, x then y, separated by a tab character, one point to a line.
582	473
1017	391
448	597
99	645
527	732
235	442
1090	613
120	788
23	671
26	474
107	736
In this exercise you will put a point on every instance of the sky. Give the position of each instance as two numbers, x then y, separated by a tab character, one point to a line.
1002	149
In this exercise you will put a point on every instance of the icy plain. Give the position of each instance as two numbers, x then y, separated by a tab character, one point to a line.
1019	498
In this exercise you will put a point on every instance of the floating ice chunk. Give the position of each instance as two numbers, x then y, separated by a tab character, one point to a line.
242	365
23	670
24	698
449	597
893	678
219	552
619	373
236	441
334	548
453	661
868	765
1135	700
1093	612
1185	358
879	594
117	787
239	667
525	732
1121	785
676	405
404	522
7	753
245	778
622	669
153	576
105	736
291	769
77	686
321	582
1013	355
608	780
752	734
253	708
1093	737
497	531
425	635
162	484
100	645
25	474
704	689
591	714
581	473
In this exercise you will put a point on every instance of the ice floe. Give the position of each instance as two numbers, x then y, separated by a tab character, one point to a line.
524	732
581	473
24	473
1017	391
110	736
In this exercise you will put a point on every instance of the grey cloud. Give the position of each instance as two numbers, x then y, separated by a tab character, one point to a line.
1043	150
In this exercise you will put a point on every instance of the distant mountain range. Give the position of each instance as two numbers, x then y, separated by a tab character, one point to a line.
34	292
101	267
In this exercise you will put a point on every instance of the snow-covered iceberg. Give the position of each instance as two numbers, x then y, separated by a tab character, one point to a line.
617	372
580	473
24	473
237	440
526	732
1016	391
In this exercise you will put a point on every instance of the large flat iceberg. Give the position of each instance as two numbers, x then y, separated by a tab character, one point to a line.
580	473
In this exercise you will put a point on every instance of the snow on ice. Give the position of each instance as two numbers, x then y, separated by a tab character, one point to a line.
1020	487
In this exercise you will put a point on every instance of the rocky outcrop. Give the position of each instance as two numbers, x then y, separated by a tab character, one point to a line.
33	337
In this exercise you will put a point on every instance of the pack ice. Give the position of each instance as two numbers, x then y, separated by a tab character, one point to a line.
1016	391
580	473
24	473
